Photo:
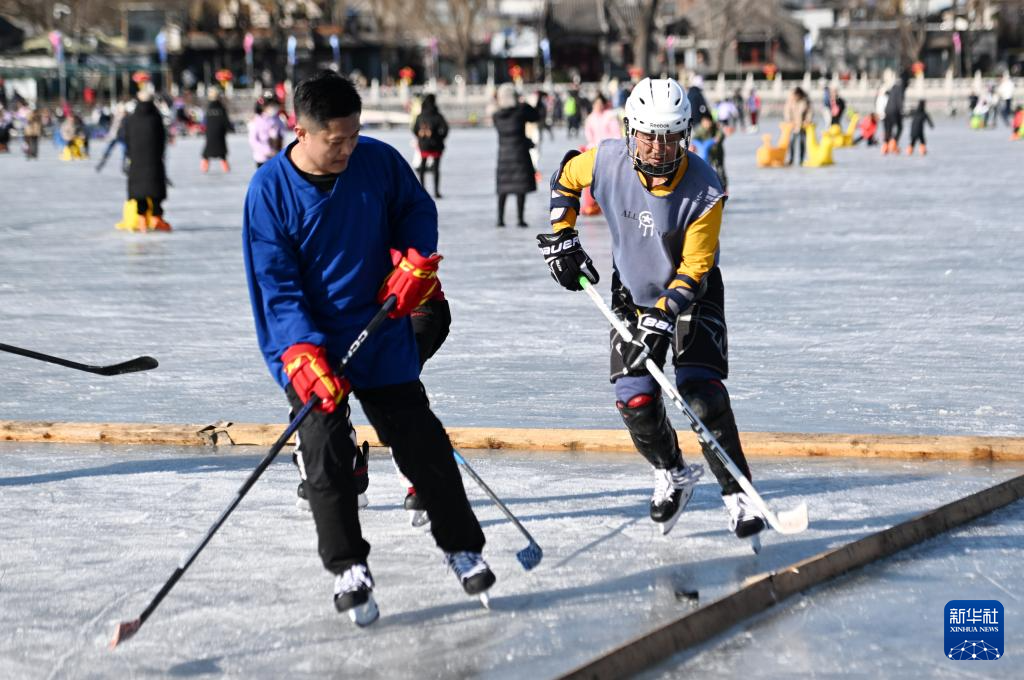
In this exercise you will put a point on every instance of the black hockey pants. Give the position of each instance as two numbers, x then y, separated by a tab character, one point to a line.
402	417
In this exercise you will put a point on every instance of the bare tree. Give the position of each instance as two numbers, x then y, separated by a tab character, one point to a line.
455	23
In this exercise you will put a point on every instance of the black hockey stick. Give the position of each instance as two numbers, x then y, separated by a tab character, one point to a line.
127	629
131	366
531	555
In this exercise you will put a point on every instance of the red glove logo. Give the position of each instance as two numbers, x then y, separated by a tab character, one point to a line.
412	282
310	373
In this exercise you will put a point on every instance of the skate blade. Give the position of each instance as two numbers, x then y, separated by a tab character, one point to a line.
419	518
364	614
303	504
362	501
485	600
755	543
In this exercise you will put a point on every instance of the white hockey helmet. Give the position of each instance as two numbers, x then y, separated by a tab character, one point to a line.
658	107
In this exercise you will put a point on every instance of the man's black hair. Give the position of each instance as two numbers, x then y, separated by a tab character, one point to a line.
325	96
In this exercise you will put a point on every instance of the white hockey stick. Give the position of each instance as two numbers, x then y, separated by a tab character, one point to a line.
787	521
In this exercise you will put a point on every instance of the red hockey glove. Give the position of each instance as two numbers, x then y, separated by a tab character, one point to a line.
412	282
310	373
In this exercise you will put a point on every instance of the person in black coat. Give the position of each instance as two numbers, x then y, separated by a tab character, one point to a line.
894	117
145	140
430	129
917	123
217	127
515	173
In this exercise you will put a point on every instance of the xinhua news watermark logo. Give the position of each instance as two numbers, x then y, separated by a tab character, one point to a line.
974	630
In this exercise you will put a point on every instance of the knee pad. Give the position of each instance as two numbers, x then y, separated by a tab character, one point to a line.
710	401
649	427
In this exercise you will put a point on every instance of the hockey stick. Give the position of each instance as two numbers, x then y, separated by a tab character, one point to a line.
130	366
787	521
531	555
127	629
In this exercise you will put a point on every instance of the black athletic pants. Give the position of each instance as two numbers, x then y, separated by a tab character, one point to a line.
403	420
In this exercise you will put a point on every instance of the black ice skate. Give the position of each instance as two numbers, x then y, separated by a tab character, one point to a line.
745	520
353	593
417	510
474	574
673	489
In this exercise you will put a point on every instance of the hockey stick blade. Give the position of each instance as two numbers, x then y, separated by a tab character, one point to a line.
790	521
144	363
530	556
125	630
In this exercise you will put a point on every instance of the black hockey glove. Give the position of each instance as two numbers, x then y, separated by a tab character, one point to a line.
566	258
651	341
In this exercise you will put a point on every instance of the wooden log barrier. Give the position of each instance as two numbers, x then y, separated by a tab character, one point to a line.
763	592
757	444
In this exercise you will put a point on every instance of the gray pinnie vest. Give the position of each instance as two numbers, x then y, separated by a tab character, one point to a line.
648	231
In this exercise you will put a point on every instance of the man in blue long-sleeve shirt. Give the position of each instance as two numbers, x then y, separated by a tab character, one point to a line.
321	220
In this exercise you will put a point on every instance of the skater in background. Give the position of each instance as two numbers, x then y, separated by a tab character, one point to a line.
837	107
664	209
573	114
711	134
917	122
115	135
334	203
33	131
145	142
867	128
431	129
266	129
754	107
216	125
515	173
695	95
797	112
893	118
602	123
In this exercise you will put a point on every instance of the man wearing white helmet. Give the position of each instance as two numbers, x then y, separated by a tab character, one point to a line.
664	209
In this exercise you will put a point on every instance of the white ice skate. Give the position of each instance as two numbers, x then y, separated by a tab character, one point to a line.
744	519
473	573
672	491
353	593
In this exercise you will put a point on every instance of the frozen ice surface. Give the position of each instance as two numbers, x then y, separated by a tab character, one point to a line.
91	532
880	295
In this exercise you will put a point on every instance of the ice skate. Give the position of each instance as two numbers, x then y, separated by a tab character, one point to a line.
745	520
473	573
204	166
353	593
418	516
673	489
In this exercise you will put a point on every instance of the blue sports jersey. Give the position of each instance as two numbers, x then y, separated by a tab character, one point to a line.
315	260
